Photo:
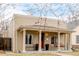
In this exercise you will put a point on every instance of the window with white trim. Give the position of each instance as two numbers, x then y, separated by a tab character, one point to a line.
53	39
77	38
28	39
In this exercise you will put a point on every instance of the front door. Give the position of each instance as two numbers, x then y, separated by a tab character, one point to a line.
42	40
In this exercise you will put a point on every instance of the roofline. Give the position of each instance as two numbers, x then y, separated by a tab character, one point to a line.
38	27
38	17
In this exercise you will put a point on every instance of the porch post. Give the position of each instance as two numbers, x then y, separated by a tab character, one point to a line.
70	44
16	42
24	33
40	40
58	41
66	41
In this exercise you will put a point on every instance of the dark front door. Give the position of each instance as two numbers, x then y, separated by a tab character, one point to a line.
42	40
47	46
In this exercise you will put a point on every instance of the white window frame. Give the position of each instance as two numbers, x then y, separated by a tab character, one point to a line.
77	39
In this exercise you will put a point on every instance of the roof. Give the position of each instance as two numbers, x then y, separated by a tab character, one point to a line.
43	28
30	22
33	20
73	24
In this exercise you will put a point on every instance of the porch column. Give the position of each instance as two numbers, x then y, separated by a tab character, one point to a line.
24	33
65	41
16	42
70	44
40	40
58	41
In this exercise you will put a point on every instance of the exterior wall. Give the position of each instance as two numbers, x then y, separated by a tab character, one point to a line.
75	46
5	34
11	34
51	46
62	39
73	37
29	47
31	20
35	40
19	40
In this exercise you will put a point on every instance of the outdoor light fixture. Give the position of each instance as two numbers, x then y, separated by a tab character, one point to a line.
46	38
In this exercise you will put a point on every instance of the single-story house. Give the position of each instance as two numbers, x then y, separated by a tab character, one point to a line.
31	33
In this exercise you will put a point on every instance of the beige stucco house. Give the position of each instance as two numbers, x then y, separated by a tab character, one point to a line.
30	33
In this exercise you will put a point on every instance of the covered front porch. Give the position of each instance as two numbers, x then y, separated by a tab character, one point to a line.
42	40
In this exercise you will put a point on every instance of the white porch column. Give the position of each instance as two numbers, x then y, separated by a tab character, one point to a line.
24	37
40	40
58	41
16	42
70	42
66	41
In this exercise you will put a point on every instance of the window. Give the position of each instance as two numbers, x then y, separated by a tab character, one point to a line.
52	40
28	39
77	39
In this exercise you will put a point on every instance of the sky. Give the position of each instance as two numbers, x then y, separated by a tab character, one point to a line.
58	10
36	9
49	9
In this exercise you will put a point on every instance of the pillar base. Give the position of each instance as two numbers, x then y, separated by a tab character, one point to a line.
23	51
59	50
39	50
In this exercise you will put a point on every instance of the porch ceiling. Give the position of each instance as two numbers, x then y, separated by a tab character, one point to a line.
44	28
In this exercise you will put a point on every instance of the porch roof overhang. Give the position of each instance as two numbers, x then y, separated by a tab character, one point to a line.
44	28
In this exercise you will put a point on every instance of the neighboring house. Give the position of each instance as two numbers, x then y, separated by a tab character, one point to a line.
74	25
30	33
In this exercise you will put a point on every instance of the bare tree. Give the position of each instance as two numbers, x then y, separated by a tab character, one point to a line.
74	11
44	9
4	22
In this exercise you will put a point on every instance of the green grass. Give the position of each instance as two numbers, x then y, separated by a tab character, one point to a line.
71	53
33	54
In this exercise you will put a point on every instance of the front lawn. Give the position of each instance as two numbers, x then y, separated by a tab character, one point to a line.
76	53
33	54
71	53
